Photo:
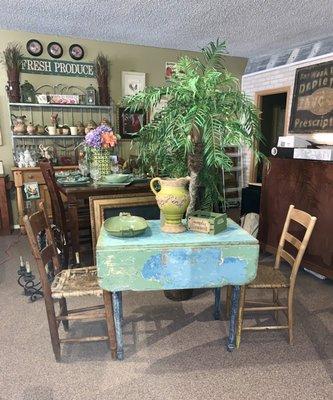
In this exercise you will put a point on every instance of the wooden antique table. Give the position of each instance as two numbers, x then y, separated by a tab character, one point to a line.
77	194
162	261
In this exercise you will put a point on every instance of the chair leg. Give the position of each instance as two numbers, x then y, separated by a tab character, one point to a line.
107	296
290	318
63	311
228	301
240	316
275	301
53	326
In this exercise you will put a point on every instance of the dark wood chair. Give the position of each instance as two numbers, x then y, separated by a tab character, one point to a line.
66	284
59	215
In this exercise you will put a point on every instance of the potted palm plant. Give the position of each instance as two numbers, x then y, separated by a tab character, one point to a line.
205	111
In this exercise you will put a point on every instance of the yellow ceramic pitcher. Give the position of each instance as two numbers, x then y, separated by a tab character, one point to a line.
173	199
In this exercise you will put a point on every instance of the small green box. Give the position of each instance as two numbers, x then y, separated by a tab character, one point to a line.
207	222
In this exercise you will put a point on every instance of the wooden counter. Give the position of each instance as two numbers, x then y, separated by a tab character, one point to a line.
309	186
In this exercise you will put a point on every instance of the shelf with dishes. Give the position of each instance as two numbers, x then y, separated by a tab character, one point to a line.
53	131
48	137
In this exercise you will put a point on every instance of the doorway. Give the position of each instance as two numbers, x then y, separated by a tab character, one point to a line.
273	122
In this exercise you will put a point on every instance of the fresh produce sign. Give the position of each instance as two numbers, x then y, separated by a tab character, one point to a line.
56	67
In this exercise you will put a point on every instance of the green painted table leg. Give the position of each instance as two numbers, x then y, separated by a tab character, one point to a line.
117	312
233	318
217	304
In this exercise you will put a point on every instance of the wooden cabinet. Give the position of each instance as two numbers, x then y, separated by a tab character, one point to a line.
309	186
25	175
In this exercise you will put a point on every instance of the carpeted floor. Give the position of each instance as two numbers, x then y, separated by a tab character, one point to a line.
172	350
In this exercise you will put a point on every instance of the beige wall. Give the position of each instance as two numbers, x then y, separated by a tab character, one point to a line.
123	58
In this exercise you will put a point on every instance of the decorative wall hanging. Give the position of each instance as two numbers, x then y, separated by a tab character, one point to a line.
54	67
34	47
13	58
31	191
76	52
132	82
312	107
55	49
130	122
102	67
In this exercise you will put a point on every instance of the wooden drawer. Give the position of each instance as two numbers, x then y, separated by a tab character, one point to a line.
33	176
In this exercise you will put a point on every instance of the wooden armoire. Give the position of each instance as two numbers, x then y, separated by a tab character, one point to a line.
309	186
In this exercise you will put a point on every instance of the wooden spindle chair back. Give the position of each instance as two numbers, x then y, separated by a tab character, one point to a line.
58	209
37	225
308	222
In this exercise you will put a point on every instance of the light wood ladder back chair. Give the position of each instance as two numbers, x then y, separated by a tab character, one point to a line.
269	277
66	284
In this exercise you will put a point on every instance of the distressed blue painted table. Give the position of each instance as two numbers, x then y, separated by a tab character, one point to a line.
162	261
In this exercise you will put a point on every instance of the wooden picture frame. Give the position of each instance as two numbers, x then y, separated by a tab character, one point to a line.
311	109
137	204
31	191
132	82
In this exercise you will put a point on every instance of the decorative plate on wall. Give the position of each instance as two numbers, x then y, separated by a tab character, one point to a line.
76	51
55	49
34	47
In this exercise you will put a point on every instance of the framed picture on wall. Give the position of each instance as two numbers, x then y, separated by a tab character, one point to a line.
132	82
169	68
130	123
312	106
31	191
2	171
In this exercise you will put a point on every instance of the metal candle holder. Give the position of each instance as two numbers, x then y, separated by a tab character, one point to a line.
27	281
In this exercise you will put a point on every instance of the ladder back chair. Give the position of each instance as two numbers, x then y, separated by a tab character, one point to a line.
58	209
59	214
269	277
67	283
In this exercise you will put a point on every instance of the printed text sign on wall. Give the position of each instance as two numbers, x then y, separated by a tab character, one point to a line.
312	108
56	67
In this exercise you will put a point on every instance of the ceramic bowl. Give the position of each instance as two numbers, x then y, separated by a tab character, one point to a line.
125	225
117	178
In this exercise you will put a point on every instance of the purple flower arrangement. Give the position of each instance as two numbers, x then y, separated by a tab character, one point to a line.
101	138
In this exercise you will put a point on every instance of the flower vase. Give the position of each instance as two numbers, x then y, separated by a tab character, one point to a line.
102	159
173	199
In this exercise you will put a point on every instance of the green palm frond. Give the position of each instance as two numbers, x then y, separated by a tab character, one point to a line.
213	54
202	96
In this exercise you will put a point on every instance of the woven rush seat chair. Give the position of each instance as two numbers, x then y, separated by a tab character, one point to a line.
270	277
76	282
67	284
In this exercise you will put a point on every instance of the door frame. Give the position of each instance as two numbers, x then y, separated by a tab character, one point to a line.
258	103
